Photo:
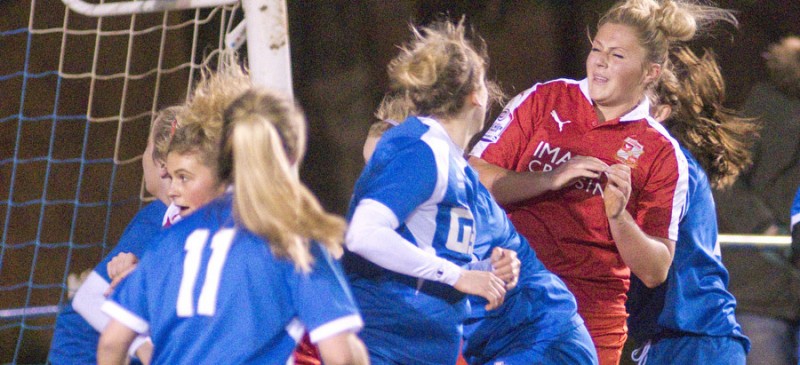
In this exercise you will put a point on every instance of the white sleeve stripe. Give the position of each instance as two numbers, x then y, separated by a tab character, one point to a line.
795	219
681	186
125	317
137	342
351	323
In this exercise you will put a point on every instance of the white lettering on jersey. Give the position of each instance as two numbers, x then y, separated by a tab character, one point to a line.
547	157
558	120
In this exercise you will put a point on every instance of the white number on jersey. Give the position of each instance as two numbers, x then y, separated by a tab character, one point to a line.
461	237
220	245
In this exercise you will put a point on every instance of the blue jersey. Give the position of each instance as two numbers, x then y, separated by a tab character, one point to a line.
694	300
421	176
212	292
74	340
795	211
540	305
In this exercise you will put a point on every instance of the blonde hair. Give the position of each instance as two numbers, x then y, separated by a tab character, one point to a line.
162	129
718	138
393	110
661	23
439	68
264	137
199	124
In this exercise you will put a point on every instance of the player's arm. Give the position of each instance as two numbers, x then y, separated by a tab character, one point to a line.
372	236
649	258
503	263
343	349
509	186
114	343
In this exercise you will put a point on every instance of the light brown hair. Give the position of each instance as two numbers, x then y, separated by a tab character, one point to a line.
662	23
716	136
439	68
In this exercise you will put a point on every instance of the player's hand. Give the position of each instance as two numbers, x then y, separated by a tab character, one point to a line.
118	279
506	266
578	167
119	267
483	284
617	190
121	263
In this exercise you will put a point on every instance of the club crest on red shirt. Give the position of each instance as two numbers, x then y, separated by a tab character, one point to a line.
630	152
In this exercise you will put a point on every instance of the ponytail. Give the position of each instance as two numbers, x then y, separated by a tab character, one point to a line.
263	143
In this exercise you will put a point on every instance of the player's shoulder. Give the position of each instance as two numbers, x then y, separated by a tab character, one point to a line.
151	214
403	141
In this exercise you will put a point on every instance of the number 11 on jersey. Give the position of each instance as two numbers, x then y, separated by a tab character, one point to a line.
195	243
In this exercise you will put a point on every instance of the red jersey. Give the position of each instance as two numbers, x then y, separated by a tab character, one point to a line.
544	127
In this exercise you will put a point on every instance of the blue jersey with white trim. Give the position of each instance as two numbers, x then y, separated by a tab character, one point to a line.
795	211
423	178
74	340
695	298
553	309
212	292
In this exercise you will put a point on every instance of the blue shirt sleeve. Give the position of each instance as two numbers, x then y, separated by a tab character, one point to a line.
144	227
403	180
323	297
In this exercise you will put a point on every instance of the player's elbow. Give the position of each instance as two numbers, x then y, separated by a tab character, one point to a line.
343	349
110	350
654	279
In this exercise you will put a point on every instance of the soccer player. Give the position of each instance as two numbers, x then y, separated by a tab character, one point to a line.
79	324
690	318
538	321
412	224
236	280
587	176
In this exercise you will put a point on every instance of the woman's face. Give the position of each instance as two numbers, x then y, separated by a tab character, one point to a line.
616	68
192	183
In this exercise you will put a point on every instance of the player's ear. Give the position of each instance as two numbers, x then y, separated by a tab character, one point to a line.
661	112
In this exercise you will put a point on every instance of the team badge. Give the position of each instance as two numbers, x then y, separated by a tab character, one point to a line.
630	152
500	124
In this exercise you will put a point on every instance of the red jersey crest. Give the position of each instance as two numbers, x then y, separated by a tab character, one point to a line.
630	152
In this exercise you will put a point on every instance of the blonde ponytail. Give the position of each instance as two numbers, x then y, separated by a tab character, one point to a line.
262	146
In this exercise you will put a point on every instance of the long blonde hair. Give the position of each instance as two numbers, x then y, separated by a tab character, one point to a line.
662	23
439	68
717	137
264	138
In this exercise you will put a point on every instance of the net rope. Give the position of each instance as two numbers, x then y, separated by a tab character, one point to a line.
59	192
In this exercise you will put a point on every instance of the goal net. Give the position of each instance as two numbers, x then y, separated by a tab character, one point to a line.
79	88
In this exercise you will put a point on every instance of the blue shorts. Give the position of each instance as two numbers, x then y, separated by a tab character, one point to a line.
573	346
710	350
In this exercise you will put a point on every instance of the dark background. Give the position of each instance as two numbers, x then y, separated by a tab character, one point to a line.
340	49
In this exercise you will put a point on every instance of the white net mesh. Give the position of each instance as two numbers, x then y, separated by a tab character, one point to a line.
78	94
